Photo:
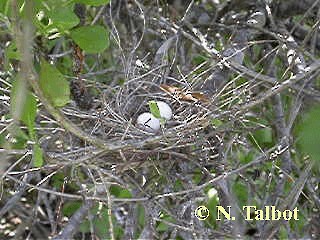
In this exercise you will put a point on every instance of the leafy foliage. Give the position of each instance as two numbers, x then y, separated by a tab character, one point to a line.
154	109
92	39
28	106
93	2
309	134
64	18
37	156
54	85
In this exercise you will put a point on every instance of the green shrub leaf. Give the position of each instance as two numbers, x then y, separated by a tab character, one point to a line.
54	85
37	156
162	227
92	39
120	192
154	109
11	52
69	208
309	134
64	18
263	136
20	138
27	105
93	2
241	191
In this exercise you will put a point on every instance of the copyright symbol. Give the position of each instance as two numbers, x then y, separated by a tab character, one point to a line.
202	213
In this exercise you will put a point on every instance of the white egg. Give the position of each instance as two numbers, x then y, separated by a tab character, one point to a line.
165	110
148	122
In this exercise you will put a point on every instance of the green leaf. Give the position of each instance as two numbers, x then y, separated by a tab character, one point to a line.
63	18
245	157
141	215
120	192
92	39
4	7
256	49
212	204
11	52
216	122
26	105
241	81
54	86
19	137
198	59
37	156
93	2
309	134
3	141
262	137
154	109
84	226
29	114
197	175
283	233
162	227
69	208
241	191
100	223
178	185
58	180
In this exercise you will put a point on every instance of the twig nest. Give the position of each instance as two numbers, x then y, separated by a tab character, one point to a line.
165	110
148	122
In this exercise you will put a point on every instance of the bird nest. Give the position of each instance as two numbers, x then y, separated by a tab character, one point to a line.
114	121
